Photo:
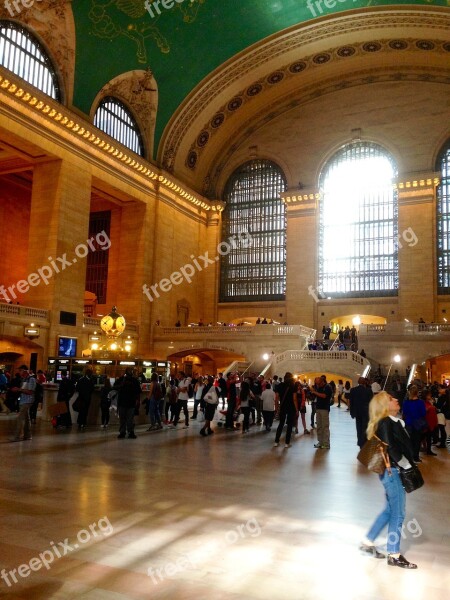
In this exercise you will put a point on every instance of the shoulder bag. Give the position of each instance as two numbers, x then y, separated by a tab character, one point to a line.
374	456
411	479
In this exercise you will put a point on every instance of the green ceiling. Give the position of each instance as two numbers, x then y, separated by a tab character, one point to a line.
183	43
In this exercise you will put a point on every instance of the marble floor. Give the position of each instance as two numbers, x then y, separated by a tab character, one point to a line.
172	515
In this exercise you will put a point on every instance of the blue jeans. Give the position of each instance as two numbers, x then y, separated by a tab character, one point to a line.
153	411
393	514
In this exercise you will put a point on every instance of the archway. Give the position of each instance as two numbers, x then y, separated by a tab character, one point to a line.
203	361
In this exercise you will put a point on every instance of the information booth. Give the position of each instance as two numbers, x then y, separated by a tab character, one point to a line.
104	367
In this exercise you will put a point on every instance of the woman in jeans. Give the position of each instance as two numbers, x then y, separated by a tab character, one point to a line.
384	423
244	404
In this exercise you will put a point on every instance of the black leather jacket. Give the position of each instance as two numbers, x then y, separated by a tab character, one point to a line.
399	443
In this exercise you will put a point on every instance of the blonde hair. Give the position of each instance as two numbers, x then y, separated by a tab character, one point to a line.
378	409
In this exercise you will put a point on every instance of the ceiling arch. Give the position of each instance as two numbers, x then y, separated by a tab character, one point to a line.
295	67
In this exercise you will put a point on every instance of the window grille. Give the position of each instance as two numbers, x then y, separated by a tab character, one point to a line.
97	262
115	119
255	267
358	217
22	54
443	222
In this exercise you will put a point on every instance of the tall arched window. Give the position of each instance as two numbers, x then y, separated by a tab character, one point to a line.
114	118
358	248
22	54
255	266
443	221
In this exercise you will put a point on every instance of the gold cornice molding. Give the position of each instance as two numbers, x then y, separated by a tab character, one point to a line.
264	57
36	111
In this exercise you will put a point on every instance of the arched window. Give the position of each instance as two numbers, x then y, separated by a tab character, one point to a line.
254	268
22	54
443	221
116	120
358	247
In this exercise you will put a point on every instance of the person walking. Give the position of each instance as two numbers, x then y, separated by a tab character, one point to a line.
360	397
26	399
388	427
182	402
211	402
199	389
128	399
286	398
222	390
323	393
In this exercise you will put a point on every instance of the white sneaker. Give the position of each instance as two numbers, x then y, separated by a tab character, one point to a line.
276	444
287	445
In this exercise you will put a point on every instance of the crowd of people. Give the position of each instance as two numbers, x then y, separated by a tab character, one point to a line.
410	422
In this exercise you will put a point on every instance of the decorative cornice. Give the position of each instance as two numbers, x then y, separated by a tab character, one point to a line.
15	89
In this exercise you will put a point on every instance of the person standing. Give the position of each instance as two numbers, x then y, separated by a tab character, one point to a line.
26	400
65	393
443	415
414	413
323	393
128	399
340	391
182	401
84	387
199	389
286	398
105	402
245	396
231	401
222	389
268	406
385	424
155	394
360	397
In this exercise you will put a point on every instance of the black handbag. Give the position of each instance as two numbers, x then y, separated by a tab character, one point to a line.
374	456
411	479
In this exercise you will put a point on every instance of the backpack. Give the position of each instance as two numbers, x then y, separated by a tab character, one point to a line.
157	392
38	392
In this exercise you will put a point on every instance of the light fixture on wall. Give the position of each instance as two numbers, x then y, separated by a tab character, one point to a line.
31	331
396	359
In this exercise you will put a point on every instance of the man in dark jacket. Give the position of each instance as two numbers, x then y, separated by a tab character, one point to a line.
128	398
84	387
360	397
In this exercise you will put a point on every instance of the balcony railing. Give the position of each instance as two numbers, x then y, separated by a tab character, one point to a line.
320	355
399	328
27	312
225	330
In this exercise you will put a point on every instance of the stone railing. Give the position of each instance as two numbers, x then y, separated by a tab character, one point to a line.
225	330
321	355
405	328
26	312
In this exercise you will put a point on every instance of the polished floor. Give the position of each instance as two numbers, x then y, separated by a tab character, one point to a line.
172	515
